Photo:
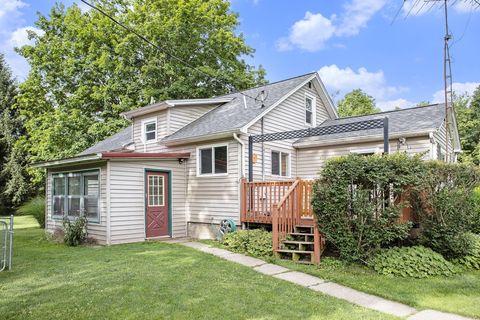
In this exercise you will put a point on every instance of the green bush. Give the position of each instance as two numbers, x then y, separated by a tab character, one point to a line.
357	201
75	231
476	211
415	262
447	208
34	207
257	243
472	259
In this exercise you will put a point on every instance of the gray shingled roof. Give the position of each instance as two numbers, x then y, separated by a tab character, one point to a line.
115	142
415	119
233	115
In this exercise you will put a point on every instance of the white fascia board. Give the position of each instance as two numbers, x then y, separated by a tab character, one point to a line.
349	140
279	101
189	102
79	159
330	105
215	136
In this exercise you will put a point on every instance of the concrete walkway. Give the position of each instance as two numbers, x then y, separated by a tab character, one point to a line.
323	286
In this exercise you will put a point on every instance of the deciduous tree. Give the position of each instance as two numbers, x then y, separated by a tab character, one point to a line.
356	103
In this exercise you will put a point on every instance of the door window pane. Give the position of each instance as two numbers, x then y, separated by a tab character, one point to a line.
156	190
206	161
221	159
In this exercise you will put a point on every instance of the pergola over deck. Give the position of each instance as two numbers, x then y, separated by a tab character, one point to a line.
286	205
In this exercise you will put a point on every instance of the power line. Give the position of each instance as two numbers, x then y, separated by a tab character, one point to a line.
172	56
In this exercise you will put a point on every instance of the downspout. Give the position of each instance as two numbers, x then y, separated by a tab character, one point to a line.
242	155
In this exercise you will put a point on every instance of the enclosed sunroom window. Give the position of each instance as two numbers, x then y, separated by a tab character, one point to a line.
76	194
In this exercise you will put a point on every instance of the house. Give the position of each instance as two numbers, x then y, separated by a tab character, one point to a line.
180	167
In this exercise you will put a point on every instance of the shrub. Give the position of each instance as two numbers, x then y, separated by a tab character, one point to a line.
357	201
476	211
415	262
472	259
446	208
34	207
256	242
75	232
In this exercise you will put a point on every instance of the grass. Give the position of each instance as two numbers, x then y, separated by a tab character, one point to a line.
149	280
458	294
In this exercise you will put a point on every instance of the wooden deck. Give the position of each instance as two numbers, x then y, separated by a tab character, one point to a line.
286	205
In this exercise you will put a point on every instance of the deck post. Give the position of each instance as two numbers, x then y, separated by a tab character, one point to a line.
274	228
385	136
317	250
250	158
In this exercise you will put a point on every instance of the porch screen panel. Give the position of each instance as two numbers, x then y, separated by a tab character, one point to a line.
91	191
59	196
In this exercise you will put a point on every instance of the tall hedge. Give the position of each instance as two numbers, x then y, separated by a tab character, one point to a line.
357	201
448	208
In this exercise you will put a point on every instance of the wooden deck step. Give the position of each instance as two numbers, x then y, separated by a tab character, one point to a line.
298	242
292	251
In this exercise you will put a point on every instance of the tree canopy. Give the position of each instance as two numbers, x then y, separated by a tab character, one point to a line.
356	103
86	70
467	110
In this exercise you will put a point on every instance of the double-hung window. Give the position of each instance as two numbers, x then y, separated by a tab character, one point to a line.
213	160
149	128
280	164
310	110
76	194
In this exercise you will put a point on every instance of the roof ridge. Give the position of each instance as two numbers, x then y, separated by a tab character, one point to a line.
391	111
267	84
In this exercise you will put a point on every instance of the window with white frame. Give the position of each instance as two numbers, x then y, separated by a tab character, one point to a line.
149	130
280	164
213	160
76	194
310	110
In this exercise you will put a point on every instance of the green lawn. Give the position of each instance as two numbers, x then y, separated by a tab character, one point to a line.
458	294
148	281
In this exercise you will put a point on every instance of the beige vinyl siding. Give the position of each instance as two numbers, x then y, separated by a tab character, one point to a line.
180	116
168	121
213	198
127	198
311	160
439	139
289	115
95	230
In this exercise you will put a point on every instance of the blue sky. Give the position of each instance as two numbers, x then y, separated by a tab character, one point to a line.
352	43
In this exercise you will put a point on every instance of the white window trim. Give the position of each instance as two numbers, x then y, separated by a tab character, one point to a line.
314	109
213	174
82	173
289	168
144	133
162	178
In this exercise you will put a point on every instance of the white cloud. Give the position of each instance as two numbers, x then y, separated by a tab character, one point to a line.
19	37
393	104
347	79
309	34
313	31
8	7
357	14
458	88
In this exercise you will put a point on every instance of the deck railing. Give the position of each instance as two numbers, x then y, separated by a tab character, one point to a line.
284	204
295	209
258	198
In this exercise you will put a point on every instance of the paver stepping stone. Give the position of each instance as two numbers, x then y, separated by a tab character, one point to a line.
436	315
364	299
244	260
299	278
270	269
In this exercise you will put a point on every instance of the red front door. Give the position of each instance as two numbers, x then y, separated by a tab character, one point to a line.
156	217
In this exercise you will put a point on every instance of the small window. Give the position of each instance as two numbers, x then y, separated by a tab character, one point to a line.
280	164
309	110
213	160
156	195
150	131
